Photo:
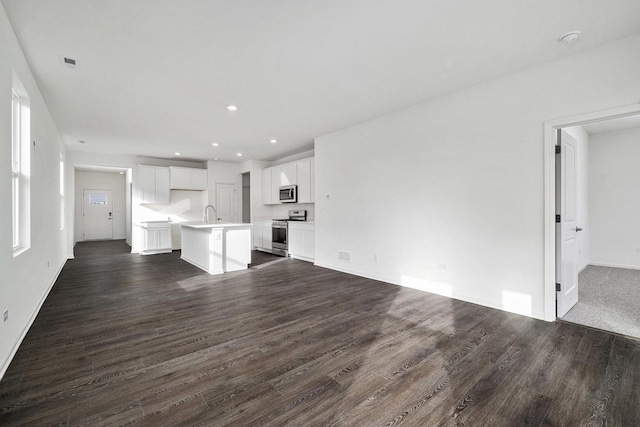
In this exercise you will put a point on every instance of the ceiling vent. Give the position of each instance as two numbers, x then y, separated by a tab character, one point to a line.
68	62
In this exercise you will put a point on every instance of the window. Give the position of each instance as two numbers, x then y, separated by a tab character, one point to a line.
97	199
20	167
15	166
62	218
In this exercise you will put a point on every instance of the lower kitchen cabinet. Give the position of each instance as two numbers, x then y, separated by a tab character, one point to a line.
156	238
302	241
262	235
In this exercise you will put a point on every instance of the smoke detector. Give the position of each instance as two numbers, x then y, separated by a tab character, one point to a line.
570	37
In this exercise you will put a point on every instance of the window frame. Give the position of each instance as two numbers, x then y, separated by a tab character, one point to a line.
62	192
20	167
16	148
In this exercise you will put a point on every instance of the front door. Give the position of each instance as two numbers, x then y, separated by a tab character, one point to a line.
226	202
567	228
97	215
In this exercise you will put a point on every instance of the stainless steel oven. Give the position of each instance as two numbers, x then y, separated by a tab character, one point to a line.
279	238
279	231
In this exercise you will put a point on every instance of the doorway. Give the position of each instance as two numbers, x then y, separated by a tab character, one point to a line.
97	215
226	202
593	273
246	197
102	206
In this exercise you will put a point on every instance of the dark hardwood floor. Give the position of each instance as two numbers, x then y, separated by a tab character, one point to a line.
260	258
125	339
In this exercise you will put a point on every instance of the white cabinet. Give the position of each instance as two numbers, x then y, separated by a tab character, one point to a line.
266	235
300	173
302	241
305	181
289	174
154	184
262	235
156	237
188	178
275	185
257	234
266	186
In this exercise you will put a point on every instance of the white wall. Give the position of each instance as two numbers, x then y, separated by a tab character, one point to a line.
27	278
582	193
102	181
615	198
449	194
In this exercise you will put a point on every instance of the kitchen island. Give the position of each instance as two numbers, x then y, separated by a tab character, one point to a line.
216	248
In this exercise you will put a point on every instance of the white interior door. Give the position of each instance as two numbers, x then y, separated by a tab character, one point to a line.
567	228
97	215
226	202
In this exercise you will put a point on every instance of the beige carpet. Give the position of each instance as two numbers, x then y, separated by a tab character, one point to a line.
609	299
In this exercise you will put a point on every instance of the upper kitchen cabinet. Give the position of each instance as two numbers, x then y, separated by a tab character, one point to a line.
300	173
188	178
288	174
266	186
275	184
306	181
154	184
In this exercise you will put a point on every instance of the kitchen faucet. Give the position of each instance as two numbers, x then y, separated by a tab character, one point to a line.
205	217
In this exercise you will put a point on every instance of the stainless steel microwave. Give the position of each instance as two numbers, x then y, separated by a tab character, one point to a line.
289	194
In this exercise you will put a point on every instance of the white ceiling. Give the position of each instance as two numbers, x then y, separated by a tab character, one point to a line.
155	76
613	125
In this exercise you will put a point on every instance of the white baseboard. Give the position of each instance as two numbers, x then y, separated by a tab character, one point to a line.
302	258
16	346
606	264
456	295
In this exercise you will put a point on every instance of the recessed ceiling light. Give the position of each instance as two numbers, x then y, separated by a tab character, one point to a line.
121	173
570	37
176	153
215	144
239	154
273	141
216	159
232	107
81	142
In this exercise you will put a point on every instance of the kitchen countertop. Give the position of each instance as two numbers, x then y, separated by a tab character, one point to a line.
200	224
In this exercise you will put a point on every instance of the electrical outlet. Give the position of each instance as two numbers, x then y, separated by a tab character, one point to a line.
442	266
5	315
48	263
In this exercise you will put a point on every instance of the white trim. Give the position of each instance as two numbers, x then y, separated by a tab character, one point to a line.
604	264
302	258
549	194
16	346
458	296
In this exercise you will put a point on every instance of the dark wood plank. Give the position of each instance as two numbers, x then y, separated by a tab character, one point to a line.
126	339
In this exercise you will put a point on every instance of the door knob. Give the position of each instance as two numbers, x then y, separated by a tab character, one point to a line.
578	229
